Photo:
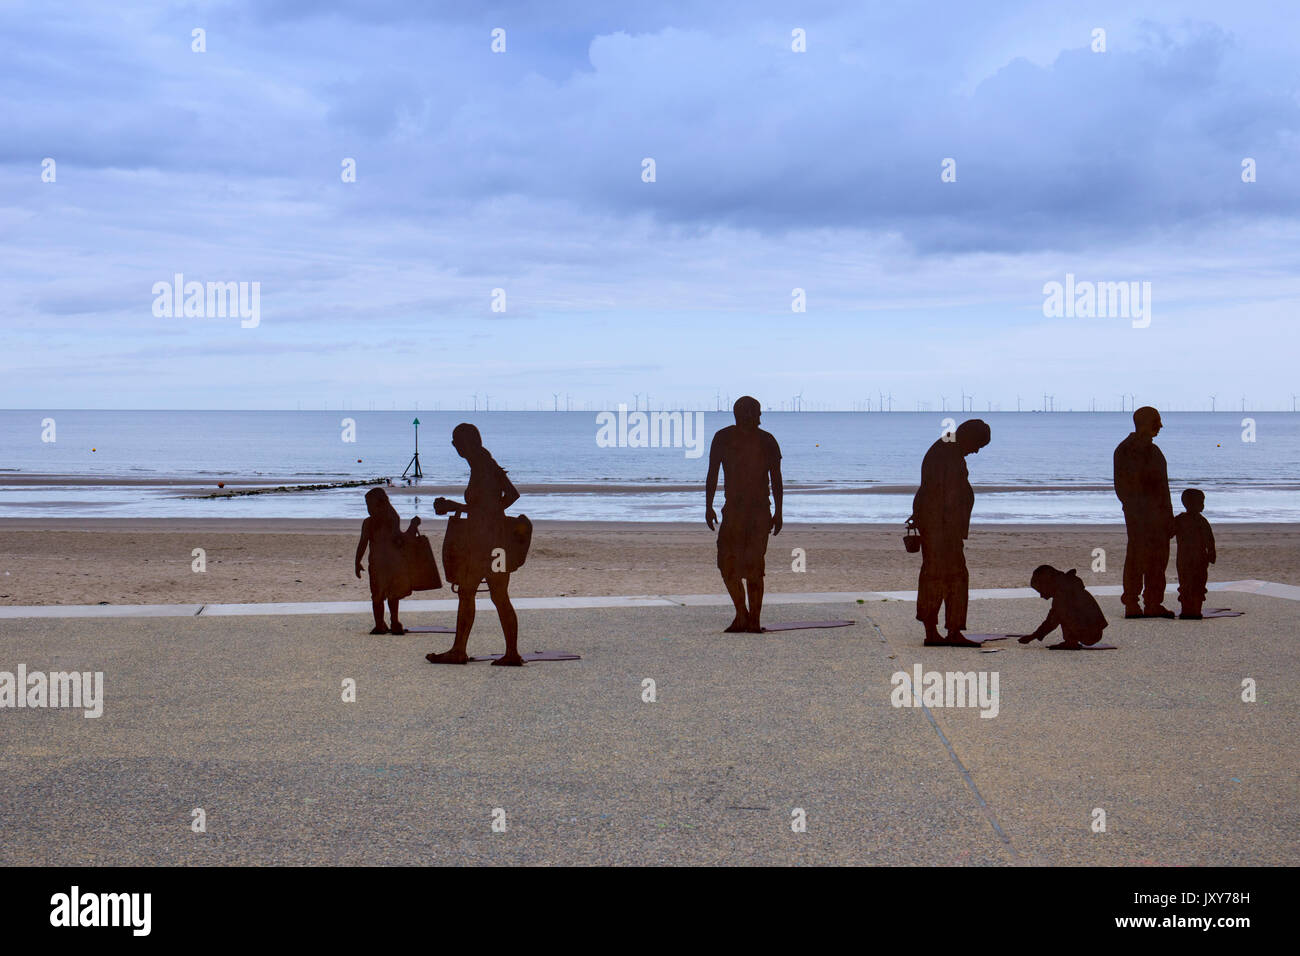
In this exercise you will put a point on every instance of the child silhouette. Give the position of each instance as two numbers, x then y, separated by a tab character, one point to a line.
1073	609
390	579
1195	554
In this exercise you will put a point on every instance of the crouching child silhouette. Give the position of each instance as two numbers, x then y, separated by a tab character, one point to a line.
1195	554
1073	609
390	551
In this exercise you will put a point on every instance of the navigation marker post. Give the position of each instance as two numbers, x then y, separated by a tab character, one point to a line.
417	474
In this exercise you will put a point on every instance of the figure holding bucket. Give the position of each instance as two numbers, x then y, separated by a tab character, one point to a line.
481	546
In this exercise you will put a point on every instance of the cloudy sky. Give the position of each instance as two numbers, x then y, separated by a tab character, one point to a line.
522	170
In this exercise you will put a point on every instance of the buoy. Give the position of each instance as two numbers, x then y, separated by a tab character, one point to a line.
92	449
358	461
221	484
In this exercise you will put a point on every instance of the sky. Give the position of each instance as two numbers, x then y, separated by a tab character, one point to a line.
523	170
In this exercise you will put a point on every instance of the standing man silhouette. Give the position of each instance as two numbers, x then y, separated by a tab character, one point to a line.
1142	486
750	457
941	511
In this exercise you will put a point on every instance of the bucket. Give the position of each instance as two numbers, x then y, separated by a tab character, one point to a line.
911	537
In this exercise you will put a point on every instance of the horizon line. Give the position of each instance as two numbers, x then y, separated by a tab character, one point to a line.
717	411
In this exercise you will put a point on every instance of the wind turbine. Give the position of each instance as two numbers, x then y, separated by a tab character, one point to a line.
1212	398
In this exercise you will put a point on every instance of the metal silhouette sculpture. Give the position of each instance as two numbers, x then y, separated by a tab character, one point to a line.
750	459
1195	554
1142	486
1074	610
391	553
485	542
941	513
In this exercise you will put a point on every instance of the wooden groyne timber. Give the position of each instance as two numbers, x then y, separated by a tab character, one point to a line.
291	489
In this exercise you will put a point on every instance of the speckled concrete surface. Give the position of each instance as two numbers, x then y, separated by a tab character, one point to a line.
244	718
1155	734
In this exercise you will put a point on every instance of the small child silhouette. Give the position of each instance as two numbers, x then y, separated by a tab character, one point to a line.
1073	609
390	577
1195	554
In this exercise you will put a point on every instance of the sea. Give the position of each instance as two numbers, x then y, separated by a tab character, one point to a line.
837	466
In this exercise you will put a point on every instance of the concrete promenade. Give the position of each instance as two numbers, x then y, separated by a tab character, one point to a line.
238	710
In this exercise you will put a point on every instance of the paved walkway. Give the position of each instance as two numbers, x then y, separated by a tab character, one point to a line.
243	717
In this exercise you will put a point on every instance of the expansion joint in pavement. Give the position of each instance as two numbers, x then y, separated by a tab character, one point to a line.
961	767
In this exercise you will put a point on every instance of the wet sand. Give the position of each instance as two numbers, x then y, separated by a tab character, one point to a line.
230	484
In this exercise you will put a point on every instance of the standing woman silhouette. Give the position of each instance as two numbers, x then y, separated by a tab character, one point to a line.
487	496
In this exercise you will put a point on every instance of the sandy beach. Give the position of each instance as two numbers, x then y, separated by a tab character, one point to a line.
149	561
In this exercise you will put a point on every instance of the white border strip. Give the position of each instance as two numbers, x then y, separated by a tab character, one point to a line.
1287	592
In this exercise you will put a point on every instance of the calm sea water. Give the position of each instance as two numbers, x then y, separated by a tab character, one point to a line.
1048	467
